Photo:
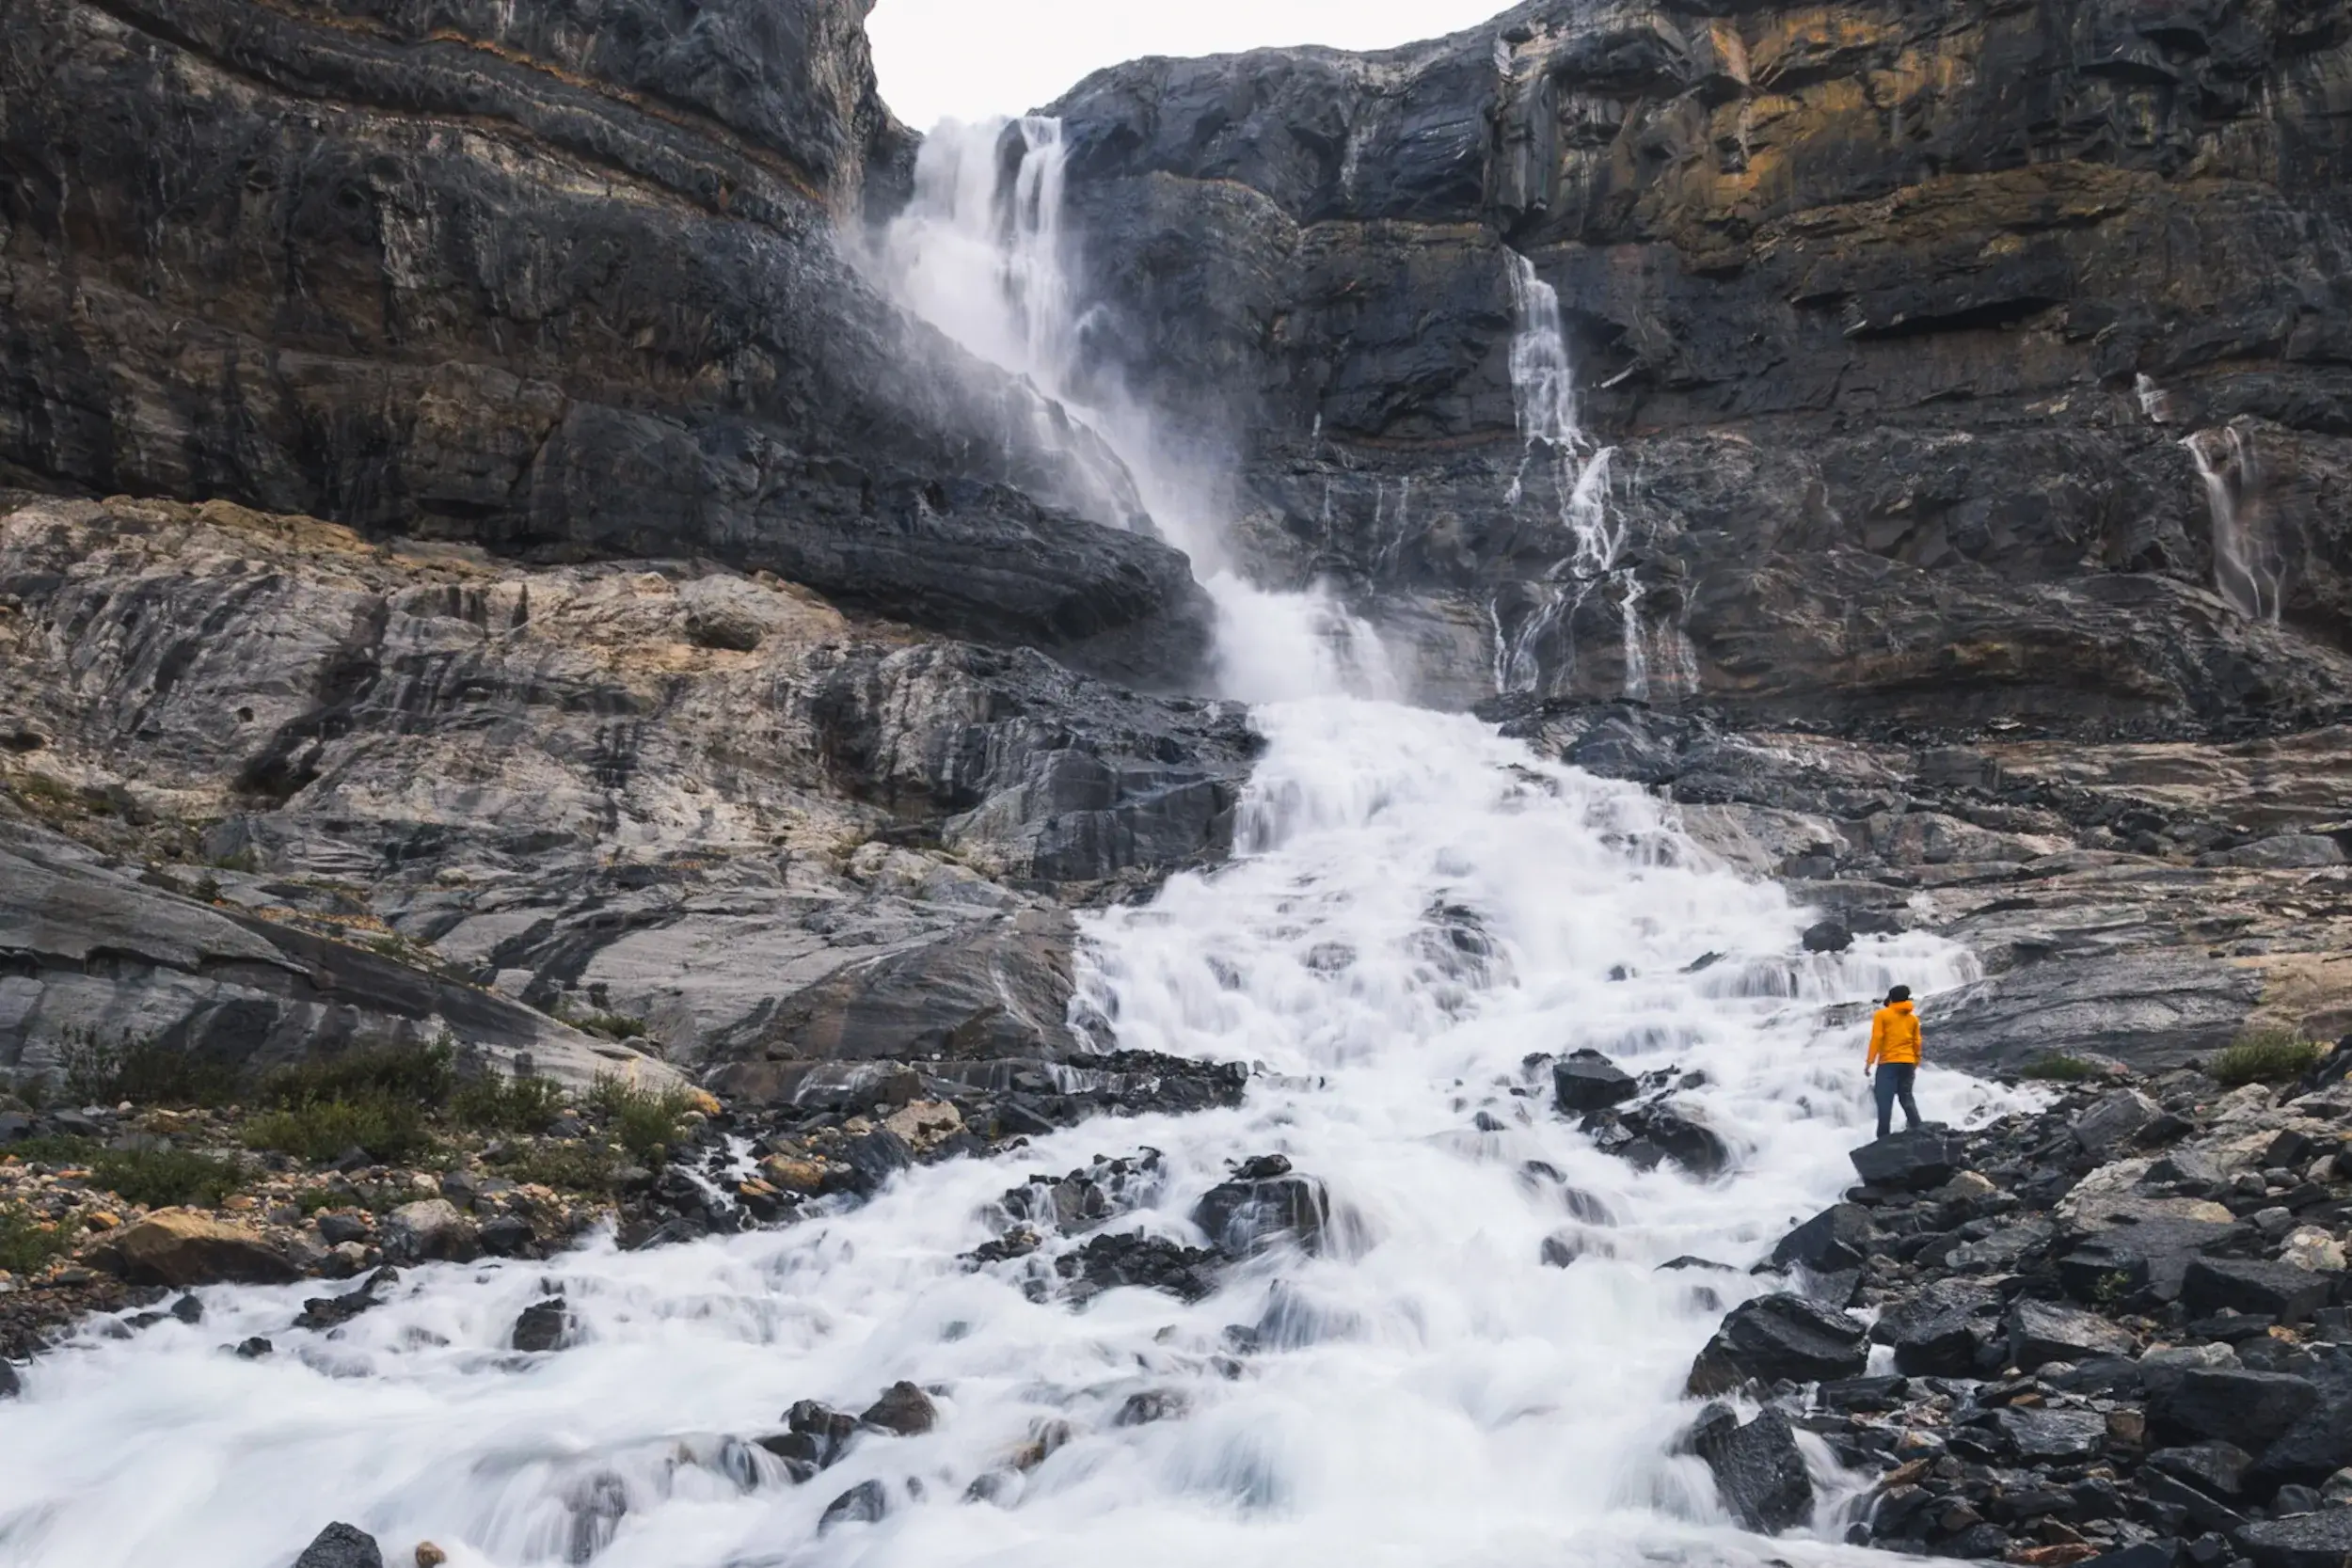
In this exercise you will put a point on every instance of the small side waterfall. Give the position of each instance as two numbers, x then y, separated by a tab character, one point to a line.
1581	470
2247	567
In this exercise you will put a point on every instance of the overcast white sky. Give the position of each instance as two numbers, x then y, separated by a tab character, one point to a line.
967	59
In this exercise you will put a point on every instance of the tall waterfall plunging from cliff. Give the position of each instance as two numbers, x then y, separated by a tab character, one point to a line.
1579	471
1482	1363
982	253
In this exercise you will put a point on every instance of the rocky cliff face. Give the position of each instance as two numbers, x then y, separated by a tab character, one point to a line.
656	793
1961	363
560	280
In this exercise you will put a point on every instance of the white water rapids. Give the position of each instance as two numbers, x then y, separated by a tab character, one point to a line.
1415	909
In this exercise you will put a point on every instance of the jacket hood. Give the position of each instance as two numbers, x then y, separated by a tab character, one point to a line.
1899	1007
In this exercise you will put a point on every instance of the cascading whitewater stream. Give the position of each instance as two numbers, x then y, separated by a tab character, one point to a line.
1417	912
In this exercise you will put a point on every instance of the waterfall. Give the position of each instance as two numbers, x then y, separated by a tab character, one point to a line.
1419	914
2245	565
1579	469
984	253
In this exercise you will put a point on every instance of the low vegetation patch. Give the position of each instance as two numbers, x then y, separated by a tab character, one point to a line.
2062	1069
492	1104
29	1244
2265	1056
146	1072
579	1167
167	1177
645	1121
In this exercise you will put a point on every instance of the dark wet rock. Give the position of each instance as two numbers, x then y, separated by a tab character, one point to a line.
868	1162
2216	1467
2004	1250
1835	1240
1243	1216
2322	1540
1938	1332
1586	1081
2153	1256
1828	936
321	1313
2279	1291
1910	1161
12	1385
336	1228
340	1545
255	1348
1153	1405
1758	1467
1780	1337
2043	1331
544	1326
2139	1554
903	1409
430	1232
1108	1262
509	1236
823	1433
1647	1135
2116	1118
862	1504
2044	1436
2233	1405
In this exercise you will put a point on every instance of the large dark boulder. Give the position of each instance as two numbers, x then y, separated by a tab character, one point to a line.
2041	1331
2153	1256
1779	1336
1937	1332
1588	1081
1243	1216
2245	1408
1912	1161
1835	1240
340	1545
1758	1468
2322	1540
2252	1285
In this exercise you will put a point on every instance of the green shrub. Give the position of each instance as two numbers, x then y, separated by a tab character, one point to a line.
391	1130
645	1121
54	1148
579	1167
27	1246
2060	1069
492	1104
419	1076
167	1177
103	1072
2265	1056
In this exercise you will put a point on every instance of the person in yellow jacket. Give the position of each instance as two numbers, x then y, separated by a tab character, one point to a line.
1894	1058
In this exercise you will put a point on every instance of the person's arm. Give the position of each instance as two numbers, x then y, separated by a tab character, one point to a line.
1878	1041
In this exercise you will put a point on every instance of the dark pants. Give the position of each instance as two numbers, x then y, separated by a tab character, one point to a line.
1894	1083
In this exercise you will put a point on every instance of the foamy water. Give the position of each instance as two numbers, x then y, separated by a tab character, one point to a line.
1418	906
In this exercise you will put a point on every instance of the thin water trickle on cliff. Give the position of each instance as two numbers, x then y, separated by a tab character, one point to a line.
1417	912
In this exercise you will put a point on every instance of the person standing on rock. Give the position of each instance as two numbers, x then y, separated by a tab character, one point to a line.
1894	1058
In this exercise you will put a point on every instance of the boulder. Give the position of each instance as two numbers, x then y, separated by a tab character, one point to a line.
544	1326
862	1504
2250	1284
903	1409
321	1313
1835	1240
342	1545
1758	1468
2218	1468
1648	1135
2231	1404
1910	1162
1243	1216
2041	1331
1937	1333
1780	1337
2114	1118
2152	1255
1829	936
1587	1081
2051	1436
180	1247
2322	1540
431	1230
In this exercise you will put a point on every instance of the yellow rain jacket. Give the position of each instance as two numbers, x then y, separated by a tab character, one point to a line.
1895	1035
